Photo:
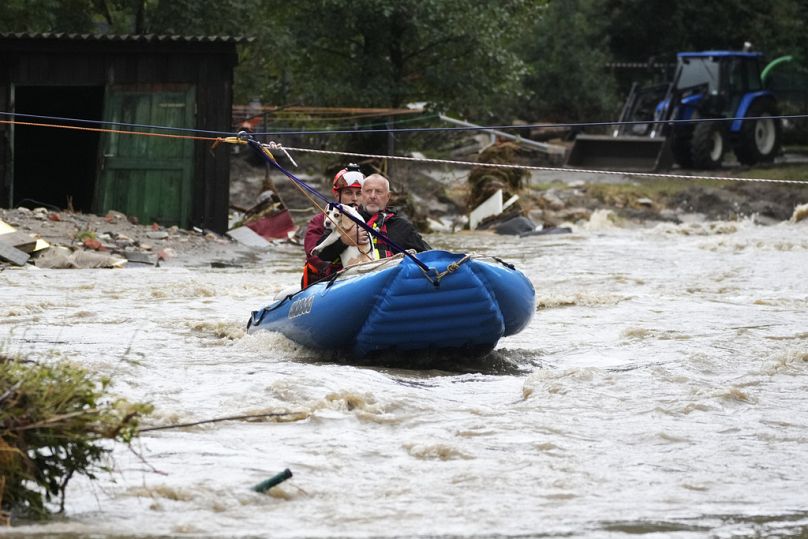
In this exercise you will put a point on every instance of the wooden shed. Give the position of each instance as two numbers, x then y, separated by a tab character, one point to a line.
146	80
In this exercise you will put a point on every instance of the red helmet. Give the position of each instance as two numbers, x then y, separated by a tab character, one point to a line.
350	176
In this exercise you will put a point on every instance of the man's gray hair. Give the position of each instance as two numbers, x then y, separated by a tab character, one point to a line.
379	177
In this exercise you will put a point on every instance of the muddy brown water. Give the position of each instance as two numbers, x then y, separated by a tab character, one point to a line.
659	390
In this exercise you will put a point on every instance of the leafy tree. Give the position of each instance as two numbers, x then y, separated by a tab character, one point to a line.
378	53
488	61
46	16
567	52
183	17
644	28
200	17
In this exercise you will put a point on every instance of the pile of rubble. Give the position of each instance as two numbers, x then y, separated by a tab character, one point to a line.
49	239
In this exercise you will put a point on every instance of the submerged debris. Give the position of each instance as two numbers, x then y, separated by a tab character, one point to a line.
800	213
276	479
484	182
53	421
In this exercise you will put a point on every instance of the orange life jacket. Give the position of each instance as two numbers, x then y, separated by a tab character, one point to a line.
310	275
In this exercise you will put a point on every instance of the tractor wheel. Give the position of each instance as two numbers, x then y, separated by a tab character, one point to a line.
707	148
759	140
680	145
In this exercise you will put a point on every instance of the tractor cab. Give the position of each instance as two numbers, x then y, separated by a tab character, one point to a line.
717	81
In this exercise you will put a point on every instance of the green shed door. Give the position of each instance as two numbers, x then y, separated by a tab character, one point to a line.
146	176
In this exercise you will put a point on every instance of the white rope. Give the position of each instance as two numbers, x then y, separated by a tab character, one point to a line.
278	146
549	169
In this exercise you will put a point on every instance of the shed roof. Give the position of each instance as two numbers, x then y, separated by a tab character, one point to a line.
132	38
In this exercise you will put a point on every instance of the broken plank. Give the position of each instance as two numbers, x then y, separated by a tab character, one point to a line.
40	244
19	240
12	254
5	228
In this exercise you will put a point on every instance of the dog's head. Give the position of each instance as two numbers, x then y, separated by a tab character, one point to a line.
332	217
336	216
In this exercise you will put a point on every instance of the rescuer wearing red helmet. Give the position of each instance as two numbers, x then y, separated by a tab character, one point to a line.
347	189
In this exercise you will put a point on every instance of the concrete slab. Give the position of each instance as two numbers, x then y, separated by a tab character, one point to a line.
249	237
12	255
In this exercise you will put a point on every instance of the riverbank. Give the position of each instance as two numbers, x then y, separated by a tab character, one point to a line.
112	240
434	199
674	200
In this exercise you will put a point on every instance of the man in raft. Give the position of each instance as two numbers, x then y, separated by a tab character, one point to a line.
375	196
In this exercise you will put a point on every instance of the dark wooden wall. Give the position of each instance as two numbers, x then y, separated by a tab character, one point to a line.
103	61
5	142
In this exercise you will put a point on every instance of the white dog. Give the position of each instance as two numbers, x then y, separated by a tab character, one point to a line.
353	254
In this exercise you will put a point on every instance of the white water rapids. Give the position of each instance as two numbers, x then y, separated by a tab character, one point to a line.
661	389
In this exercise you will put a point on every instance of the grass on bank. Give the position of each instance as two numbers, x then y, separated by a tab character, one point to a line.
797	171
55	420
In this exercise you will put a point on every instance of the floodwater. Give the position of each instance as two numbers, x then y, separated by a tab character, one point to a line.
661	390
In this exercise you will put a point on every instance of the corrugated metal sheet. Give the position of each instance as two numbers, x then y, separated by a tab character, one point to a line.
135	38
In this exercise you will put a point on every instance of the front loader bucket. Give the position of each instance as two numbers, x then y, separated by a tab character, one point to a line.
620	153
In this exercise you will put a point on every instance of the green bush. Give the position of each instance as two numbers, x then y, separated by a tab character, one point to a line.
53	420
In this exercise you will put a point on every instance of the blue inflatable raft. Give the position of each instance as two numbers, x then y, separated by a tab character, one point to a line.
393	305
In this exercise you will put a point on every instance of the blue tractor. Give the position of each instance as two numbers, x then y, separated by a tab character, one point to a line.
721	89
